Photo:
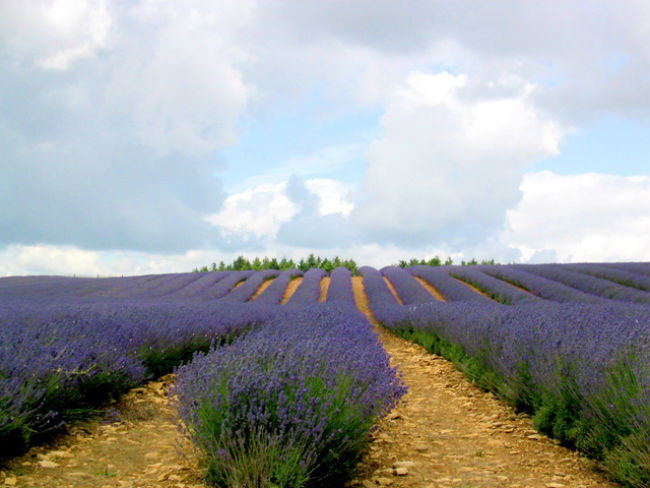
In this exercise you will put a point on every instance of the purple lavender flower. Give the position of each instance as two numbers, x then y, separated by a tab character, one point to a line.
308	292
293	399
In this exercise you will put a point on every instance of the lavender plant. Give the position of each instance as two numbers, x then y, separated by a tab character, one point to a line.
224	286
308	292
496	289
289	404
639	268
202	285
244	292
543	287
340	289
60	358
274	293
383	303
582	369
622	277
588	284
407	287
450	288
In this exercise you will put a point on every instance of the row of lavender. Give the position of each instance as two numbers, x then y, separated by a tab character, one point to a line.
67	343
509	284
289	403
223	286
62	356
572	346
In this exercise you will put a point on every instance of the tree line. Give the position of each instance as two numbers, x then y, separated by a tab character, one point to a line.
304	264
328	264
436	261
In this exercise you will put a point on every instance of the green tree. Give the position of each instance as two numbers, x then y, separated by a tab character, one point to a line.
241	263
351	265
327	265
257	264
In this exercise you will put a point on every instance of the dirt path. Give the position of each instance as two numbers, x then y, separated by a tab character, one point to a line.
139	447
324	287
430	288
445	433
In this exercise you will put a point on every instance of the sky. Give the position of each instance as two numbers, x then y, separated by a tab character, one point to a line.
155	136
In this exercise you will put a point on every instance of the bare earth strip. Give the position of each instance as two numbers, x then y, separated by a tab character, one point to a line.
141	449
324	286
446	432
291	289
260	290
474	289
393	290
430	288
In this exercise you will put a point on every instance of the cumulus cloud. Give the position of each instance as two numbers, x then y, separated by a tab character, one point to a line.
334	196
115	116
584	217
48	259
449	163
311	227
294	212
57	34
255	213
112	116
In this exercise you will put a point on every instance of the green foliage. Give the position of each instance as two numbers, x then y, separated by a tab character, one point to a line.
305	264
472	367
434	261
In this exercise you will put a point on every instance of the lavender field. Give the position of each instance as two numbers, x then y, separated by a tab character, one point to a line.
302	381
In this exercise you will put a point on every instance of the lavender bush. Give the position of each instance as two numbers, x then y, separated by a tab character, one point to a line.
247	289
224	286
640	268
586	283
407	287
340	289
308	292
382	302
582	369
274	293
204	283
289	404
60	358
451	289
620	276
494	288
540	286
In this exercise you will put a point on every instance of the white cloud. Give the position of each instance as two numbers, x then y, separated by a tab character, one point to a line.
333	195
255	213
584	217
81	26
180	84
45	259
49	259
448	166
115	113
